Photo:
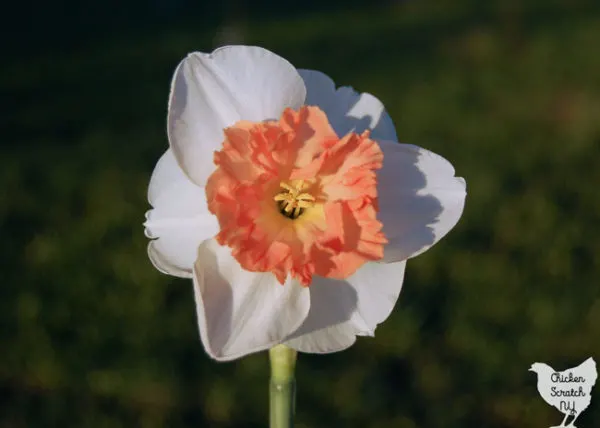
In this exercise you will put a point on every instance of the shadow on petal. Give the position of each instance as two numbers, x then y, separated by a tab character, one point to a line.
420	200
348	110
358	124
217	304
178	101
332	302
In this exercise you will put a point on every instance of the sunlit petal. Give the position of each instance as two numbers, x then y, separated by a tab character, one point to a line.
179	221
210	92
241	312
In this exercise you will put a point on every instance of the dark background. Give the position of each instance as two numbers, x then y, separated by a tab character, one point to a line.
92	336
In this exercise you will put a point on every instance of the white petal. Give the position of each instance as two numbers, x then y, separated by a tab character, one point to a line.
212	91
166	174
378	286
341	310
180	220
346	109
420	199
327	327
326	340
241	312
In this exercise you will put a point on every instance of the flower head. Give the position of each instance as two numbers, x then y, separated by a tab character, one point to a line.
290	204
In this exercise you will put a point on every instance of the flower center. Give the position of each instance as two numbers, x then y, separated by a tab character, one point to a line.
291	201
295	199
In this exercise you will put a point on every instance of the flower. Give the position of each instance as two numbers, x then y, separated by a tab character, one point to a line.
290	203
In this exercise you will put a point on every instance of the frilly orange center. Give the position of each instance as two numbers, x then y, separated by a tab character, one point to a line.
293	198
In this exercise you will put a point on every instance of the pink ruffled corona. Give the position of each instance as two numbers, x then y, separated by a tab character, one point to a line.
293	198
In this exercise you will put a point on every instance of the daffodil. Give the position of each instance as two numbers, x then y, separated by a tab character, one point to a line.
290	203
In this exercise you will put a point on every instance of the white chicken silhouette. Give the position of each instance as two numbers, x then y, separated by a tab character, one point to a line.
569	391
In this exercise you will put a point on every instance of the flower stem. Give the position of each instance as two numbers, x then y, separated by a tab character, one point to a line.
282	388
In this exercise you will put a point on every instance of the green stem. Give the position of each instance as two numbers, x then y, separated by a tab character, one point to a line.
282	388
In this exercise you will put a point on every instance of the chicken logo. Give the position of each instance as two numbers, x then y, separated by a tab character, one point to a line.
569	391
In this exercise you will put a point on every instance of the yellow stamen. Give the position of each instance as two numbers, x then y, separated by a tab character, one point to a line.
291	201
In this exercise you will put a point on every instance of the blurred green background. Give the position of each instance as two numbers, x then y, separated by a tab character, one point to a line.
92	336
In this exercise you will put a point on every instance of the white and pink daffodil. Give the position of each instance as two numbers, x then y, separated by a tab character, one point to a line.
290	203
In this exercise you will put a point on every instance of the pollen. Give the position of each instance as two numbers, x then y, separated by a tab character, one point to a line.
292	201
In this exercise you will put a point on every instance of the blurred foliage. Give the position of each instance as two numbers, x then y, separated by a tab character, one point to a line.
509	91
